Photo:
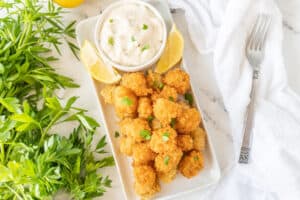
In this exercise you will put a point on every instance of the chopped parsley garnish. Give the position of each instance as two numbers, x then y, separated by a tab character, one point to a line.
158	85
173	122
111	20
111	41
117	134
145	26
166	160
171	98
150	118
133	39
146	47
127	101
165	136
189	98
146	134
196	158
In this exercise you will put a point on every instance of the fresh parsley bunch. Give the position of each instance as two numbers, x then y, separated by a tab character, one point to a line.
35	160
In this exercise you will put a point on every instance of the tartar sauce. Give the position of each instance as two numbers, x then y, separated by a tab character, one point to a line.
131	34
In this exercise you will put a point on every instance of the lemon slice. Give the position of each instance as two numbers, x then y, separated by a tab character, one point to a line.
96	67
172	53
69	3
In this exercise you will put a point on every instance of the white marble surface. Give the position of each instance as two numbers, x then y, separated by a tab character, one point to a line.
68	65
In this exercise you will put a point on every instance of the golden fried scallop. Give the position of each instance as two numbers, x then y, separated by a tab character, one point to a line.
178	79
163	140
155	124
165	110
188	121
137	83
138	129
146	182
168	93
191	164
167	177
107	93
144	107
154	96
167	161
154	80
142	154
185	142
126	145
125	102
199	136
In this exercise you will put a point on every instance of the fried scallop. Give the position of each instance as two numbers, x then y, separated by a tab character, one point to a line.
144	107
155	124
167	161
142	154
137	83
191	164
167	177
107	93
188	121
168	93
125	102
126	145
185	142
163	140
154	80
146	182
199	136
178	79
138	129
165	110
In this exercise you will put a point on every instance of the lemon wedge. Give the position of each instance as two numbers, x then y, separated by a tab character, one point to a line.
173	51
96	67
69	3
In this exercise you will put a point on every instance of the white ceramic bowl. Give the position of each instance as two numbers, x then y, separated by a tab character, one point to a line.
98	28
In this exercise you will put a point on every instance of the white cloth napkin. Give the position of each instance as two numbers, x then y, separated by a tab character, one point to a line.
221	27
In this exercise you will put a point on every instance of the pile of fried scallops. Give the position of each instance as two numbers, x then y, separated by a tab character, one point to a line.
160	129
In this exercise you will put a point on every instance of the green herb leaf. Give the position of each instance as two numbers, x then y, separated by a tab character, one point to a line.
145	47
196	158
171	98
133	39
166	160
165	136
150	118
117	134
173	122
145	27
127	101
111	41
189	98
146	134
111	20
159	85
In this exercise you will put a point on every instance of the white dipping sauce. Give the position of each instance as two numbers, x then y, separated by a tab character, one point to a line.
131	34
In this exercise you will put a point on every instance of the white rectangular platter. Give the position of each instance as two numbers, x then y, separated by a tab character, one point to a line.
181	185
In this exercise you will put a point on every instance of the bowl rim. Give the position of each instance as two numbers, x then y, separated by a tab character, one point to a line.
121	67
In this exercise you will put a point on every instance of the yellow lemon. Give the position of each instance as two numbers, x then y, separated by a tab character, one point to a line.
69	3
173	51
96	67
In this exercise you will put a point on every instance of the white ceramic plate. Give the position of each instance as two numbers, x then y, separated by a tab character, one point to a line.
208	176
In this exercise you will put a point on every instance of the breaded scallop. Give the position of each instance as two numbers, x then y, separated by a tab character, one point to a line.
165	110
138	129
178	79
191	164
142	154
125	102
168	93
199	136
185	142
107	93
154	80
146	182
144	107
155	124
126	145
163	140
188	121
167	161
137	83
167	177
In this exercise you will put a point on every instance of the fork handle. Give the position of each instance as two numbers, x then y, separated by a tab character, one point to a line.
248	134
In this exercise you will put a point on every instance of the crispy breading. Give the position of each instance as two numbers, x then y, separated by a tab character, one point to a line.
191	164
167	161
146	182
185	142
137	83
134	128
154	80
199	137
126	145
142	154
107	93
163	140
125	102
167	177
165	110
144	107
178	79
188	121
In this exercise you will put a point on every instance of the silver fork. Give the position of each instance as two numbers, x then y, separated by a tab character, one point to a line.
255	54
